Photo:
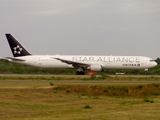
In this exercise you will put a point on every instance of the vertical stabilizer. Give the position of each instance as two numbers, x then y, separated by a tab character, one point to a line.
16	48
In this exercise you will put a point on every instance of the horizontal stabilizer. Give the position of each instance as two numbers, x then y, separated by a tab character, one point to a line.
15	59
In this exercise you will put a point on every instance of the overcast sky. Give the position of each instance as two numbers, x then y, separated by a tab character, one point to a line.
83	27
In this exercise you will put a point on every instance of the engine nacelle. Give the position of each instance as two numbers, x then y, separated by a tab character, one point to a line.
96	67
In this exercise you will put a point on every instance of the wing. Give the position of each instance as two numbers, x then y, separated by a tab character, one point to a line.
74	63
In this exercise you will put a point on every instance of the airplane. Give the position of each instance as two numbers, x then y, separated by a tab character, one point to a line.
79	62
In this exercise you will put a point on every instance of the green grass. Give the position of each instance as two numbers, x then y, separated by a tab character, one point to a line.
33	104
112	90
41	101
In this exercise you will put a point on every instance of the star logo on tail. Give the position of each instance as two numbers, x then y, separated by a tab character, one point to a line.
17	50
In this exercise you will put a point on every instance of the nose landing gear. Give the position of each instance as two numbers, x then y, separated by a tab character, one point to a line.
146	71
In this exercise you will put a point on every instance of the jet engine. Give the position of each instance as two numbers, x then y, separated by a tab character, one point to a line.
96	67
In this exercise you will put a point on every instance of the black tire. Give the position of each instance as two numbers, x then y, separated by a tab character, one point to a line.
80	73
77	73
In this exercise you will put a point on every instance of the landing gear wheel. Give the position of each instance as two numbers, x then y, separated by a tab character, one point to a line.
77	73
80	73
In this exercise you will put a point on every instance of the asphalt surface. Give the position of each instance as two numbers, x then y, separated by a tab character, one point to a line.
78	75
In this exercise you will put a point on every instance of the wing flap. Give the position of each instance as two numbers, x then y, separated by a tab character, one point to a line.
74	63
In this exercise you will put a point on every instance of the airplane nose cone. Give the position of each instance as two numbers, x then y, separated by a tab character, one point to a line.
154	64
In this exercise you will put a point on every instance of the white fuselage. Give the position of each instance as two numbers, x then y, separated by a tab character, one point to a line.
107	62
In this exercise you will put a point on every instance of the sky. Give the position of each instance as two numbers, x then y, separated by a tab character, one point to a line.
82	27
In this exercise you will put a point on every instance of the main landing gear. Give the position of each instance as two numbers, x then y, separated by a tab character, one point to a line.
80	71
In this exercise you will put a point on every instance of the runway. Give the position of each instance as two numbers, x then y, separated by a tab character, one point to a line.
43	83
47	83
77	75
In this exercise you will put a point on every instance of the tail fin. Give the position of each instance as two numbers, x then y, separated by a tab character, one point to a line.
16	48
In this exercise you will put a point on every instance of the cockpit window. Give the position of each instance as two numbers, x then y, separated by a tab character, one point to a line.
152	60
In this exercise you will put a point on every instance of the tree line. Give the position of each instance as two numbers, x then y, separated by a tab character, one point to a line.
7	67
